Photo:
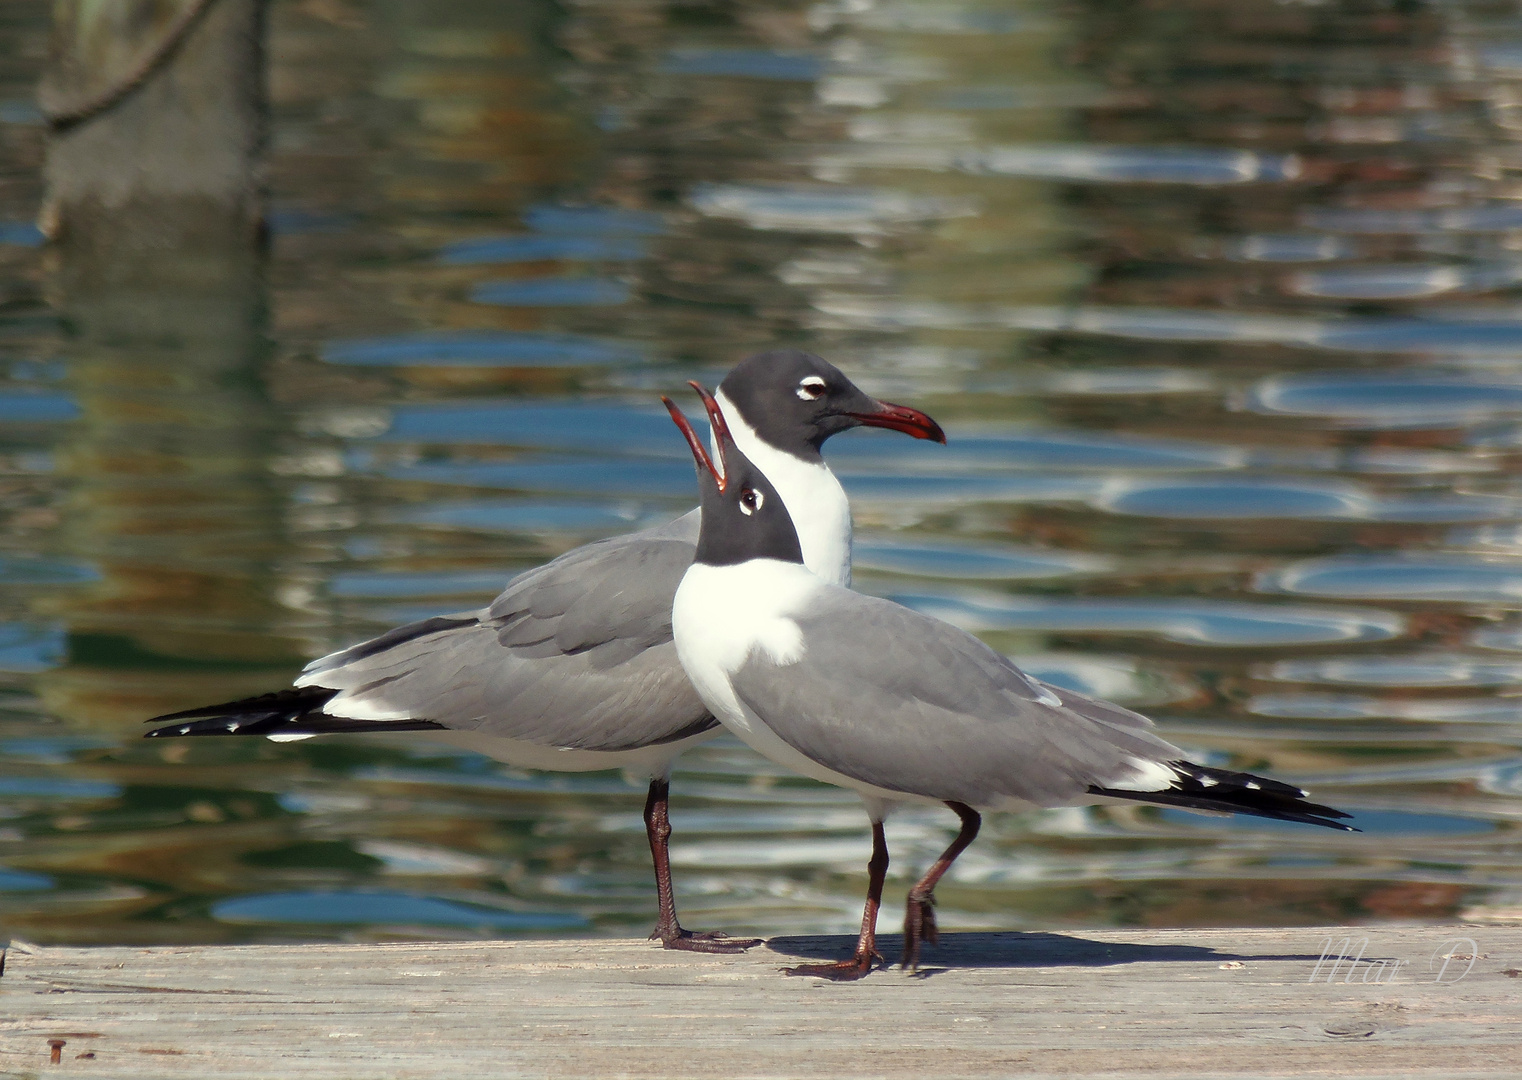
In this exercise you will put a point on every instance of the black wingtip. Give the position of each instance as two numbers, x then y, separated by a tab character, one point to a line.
312	724
1200	787
292	699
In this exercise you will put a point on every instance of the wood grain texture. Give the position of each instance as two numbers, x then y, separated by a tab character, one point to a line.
1176	1003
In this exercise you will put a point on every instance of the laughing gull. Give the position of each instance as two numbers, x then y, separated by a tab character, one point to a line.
900	707
572	668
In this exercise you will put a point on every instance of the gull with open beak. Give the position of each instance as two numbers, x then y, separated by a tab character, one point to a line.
898	706
572	668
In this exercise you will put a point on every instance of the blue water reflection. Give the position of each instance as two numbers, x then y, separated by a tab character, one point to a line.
523	515
544	424
551	292
1495	335
52	750
531	248
23	881
1454	578
442	583
1415	399
1413	670
1288	248
986	451
1217	624
480	349
296	221
966	561
1401	282
28	648
21	234
1474	219
30	570
1228	357
56	787
593	220
36	408
1484	710
1372	822
1236	499
590	476
473	774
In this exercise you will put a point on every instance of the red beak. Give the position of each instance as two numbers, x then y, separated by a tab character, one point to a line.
901	418
715	415
694	443
721	436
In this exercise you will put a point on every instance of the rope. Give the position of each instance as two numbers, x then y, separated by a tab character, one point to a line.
113	95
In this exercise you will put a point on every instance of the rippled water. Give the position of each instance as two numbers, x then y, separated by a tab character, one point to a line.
1220	305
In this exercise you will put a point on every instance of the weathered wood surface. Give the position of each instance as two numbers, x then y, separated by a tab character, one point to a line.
1175	1003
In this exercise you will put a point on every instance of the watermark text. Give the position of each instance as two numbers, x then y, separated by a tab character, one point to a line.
1343	960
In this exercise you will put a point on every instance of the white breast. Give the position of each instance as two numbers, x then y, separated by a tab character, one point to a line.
725	614
722	614
813	496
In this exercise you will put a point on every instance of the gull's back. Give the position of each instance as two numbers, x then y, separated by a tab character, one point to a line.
576	653
895	699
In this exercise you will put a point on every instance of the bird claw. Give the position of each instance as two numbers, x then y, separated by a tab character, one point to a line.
711	941
919	927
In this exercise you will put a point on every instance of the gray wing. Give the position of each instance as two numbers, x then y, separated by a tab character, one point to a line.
902	701
576	653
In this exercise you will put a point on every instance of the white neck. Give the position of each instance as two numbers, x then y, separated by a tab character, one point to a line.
814	499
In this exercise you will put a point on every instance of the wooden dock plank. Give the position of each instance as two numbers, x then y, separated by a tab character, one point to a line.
1177	1003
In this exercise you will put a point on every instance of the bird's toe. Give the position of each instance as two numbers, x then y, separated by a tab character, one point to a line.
711	941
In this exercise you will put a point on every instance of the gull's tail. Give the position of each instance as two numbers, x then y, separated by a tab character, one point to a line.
285	715
1199	787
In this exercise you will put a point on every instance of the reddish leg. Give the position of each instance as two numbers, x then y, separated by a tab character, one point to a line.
667	929
866	945
919	913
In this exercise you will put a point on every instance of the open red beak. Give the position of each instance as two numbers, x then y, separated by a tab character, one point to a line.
901	418
694	443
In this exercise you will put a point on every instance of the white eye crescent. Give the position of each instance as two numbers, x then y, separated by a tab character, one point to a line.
751	500
811	388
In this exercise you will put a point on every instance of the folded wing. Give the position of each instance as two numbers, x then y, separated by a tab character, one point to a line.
899	700
896	699
576	654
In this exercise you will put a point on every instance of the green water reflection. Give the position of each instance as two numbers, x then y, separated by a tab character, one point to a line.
1219	306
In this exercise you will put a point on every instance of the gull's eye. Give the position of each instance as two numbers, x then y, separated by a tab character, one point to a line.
750	501
811	388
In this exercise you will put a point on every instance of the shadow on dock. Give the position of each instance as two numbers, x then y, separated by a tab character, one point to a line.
1018	950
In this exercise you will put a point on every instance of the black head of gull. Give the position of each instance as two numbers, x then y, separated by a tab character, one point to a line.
572	667
793	401
743	516
858	691
780	406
